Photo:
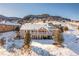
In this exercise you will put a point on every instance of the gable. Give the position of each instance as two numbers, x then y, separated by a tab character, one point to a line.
42	29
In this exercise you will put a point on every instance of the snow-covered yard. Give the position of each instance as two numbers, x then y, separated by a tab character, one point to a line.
41	47
72	41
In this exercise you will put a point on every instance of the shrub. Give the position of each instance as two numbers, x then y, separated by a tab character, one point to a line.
17	28
2	41
78	28
65	28
44	37
47	37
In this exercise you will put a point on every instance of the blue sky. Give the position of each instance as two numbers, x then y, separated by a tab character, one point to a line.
20	10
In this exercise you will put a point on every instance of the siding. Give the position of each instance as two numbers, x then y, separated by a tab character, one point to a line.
4	28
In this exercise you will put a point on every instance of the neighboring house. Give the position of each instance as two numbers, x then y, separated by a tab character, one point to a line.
37	30
7	26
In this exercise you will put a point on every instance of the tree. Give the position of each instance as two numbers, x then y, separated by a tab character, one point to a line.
17	28
58	37
27	39
60	27
17	32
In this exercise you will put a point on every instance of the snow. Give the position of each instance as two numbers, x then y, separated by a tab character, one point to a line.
13	47
7	35
8	23
35	26
52	50
72	40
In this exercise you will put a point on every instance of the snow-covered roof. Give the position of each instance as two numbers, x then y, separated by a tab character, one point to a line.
34	26
8	23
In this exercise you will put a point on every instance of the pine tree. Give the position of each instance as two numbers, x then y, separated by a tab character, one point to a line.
17	32
27	39
58	37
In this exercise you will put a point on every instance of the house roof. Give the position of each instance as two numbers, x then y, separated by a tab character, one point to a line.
35	26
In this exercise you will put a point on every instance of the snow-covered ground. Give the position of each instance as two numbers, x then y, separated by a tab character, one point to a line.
72	40
9	23
41	47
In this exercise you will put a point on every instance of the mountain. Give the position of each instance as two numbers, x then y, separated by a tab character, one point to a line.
33	18
43	17
2	17
11	19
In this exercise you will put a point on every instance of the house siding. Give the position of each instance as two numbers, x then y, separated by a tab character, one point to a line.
5	28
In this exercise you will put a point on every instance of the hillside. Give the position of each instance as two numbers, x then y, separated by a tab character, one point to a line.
11	19
34	18
43	17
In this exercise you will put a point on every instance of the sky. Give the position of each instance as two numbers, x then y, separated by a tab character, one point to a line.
66	10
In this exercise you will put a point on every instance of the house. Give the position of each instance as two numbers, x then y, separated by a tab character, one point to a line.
7	26
37	30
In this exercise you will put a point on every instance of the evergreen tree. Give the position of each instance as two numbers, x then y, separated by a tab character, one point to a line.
27	39
17	32
60	27
58	37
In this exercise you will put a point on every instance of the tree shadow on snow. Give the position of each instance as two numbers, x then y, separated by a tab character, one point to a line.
72	44
10	45
41	52
44	41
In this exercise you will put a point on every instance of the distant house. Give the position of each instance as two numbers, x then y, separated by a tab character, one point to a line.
37	30
7	26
